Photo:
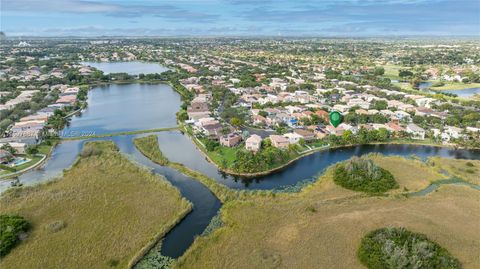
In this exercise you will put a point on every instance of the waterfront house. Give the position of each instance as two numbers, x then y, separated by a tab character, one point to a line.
453	131
416	131
17	146
279	141
305	134
230	140
253	143
293	138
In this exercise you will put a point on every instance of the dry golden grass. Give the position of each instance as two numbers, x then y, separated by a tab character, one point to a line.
458	168
111	207
411	175
322	226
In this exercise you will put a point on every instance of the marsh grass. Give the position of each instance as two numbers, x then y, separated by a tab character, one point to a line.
104	212
322	225
468	170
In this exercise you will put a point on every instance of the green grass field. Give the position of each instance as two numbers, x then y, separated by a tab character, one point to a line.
33	161
322	226
104	212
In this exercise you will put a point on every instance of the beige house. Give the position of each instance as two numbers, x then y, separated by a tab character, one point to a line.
279	141
230	140
253	143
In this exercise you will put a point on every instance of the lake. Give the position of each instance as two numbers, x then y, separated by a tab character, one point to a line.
125	107
464	93
132	68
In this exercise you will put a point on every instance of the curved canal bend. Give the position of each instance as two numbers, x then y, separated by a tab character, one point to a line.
129	107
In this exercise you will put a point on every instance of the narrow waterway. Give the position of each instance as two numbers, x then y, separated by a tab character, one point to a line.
179	148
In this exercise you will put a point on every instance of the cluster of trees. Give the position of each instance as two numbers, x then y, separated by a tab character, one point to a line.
363	136
247	80
400	248
363	118
11	229
267	158
362	174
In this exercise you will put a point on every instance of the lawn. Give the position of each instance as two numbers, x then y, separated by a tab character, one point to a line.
391	71
223	155
104	212
322	226
33	160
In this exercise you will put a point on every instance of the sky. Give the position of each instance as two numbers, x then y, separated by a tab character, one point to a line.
344	18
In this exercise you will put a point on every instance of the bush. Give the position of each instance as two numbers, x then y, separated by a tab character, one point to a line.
90	150
55	226
11	228
400	248
360	174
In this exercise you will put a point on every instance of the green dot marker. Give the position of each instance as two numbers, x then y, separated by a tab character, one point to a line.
335	118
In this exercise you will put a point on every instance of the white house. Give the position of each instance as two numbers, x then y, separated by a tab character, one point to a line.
416	131
293	138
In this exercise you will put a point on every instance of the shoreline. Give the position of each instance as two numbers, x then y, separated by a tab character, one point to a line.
282	166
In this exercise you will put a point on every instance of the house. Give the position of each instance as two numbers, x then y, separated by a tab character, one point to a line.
67	99
453	131
393	127
279	141
403	116
5	156
335	131
322	114
20	148
258	120
293	138
230	140
319	132
253	143
213	129
306	135
27	129
416	131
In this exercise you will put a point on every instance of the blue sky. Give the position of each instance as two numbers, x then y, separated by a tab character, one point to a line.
240	17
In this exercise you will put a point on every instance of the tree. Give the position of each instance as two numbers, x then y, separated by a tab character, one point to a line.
383	134
211	145
379	105
379	71
182	115
348	136
405	73
236	122
32	150
9	148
